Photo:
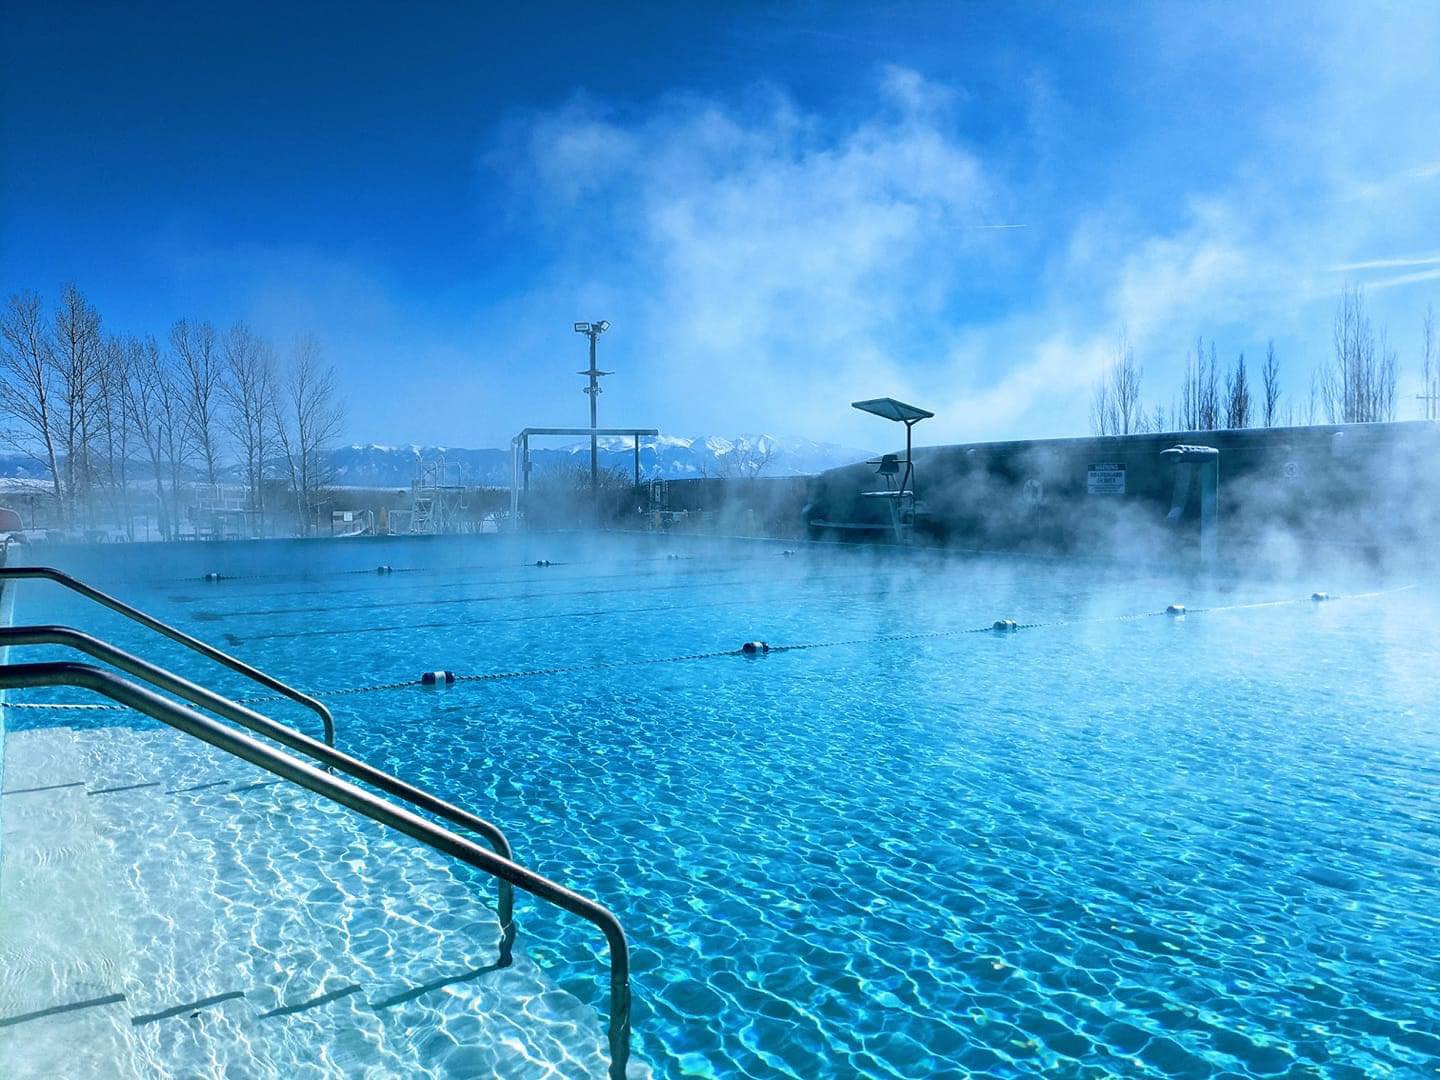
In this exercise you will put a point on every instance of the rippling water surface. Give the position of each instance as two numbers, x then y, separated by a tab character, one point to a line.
1100	845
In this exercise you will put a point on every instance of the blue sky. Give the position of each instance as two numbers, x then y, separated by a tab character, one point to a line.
779	208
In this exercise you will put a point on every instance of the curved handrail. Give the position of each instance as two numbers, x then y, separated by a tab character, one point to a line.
263	725
49	573
187	720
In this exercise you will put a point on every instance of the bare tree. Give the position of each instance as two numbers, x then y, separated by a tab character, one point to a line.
114	432
1429	367
247	390
1200	392
1210	404
1102	408
1270	378
1358	386
1125	378
310	416
1115	408
200	371
1237	395
156	402
27	382
77	348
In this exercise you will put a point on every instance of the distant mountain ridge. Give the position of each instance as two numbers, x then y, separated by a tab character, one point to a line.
666	457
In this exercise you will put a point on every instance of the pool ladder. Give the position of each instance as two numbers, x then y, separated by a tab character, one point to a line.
499	862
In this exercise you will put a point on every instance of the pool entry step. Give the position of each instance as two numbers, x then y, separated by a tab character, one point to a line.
171	911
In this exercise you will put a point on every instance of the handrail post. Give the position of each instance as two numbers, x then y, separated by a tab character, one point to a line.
49	573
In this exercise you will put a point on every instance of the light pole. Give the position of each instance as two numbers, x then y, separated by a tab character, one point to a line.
593	330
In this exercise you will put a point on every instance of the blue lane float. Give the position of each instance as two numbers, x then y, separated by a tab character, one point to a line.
437	678
1005	626
1175	609
755	648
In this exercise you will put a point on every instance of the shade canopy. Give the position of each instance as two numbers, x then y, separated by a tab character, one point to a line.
891	409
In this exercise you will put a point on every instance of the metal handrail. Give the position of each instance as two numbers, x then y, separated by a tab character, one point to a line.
187	720
263	725
49	573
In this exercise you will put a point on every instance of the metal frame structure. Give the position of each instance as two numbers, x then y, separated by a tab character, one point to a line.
190	722
520	455
887	408
47	573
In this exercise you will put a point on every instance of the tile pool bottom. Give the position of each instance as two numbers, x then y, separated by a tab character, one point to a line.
1104	845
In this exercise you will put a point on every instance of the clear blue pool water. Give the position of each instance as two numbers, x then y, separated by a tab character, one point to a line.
1206	846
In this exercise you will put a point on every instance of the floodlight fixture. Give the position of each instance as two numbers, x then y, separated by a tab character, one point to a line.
603	325
582	327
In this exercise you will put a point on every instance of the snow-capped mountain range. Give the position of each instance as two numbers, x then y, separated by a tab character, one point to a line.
666	457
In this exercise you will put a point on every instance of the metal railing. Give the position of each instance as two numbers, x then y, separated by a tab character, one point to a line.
312	748
187	720
47	573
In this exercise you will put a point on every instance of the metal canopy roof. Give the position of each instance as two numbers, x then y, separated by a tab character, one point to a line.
891	409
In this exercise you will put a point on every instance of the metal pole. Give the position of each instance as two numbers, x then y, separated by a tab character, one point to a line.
514	481
637	459
594	393
909	429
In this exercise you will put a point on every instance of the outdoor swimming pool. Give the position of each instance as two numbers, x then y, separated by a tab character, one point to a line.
1100	845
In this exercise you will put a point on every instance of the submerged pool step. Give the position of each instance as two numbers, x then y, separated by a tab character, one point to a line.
65	948
273	933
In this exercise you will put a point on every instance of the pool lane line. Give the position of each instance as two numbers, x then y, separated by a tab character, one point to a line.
237	639
566	669
918	636
242	639
430	987
711	566
605	665
122	787
313	1003
56	1010
559	590
43	787
158	583
193	1006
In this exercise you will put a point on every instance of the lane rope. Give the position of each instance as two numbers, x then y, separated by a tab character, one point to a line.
604	665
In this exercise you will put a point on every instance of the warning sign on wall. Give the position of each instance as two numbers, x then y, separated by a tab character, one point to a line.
1106	479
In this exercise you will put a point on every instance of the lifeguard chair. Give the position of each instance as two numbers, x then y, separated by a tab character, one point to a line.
898	476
